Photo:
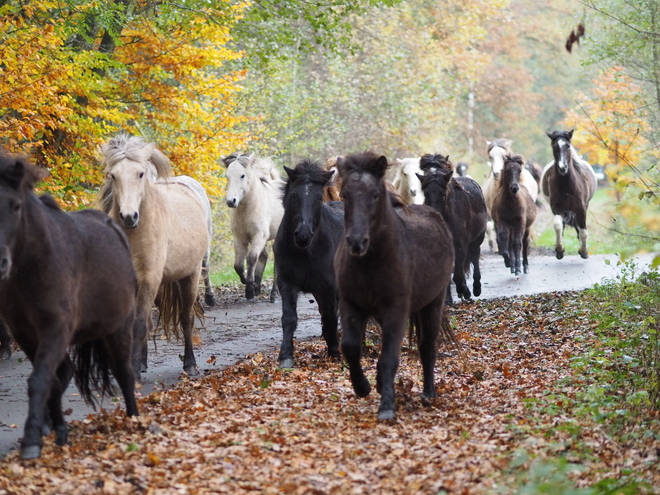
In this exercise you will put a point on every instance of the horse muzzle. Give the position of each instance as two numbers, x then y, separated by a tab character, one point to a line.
232	202
514	188
357	246
130	221
302	238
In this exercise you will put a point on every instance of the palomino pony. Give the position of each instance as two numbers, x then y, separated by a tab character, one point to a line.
497	150
66	281
568	183
332	189
253	194
395	263
514	212
165	221
304	252
461	203
403	176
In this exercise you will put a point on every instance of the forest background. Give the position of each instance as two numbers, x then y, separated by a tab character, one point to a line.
293	79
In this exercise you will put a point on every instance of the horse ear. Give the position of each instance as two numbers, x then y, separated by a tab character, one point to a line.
381	166
487	143
420	176
148	150
328	176
570	134
550	135
289	172
251	159
447	158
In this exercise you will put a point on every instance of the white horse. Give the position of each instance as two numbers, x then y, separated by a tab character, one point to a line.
403	175
497	150
254	189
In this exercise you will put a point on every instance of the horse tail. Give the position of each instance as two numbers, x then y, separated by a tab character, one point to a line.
92	362
171	305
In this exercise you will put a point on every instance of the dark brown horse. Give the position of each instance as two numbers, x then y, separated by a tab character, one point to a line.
568	183
395	263
304	250
66	279
514	212
462	205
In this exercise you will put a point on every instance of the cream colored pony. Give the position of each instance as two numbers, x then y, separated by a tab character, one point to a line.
497	150
254	191
165	221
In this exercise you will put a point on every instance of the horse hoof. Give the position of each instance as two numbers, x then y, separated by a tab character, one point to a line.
477	290
526	269
517	272
61	435
209	299
584	255
559	254
249	293
286	363
362	389
31	452
191	370
5	354
386	415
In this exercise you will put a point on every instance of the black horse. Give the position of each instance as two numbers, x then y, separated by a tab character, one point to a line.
395	263
462	205
66	279
568	183
304	251
514	213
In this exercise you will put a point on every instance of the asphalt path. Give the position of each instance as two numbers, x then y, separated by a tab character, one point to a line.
236	328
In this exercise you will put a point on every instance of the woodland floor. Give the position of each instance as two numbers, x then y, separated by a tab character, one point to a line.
253	428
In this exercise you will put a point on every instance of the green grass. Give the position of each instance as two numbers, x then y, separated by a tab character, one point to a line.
228	276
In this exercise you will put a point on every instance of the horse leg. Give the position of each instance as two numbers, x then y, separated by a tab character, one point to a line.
581	227
430	318
256	250
61	382
459	273
503	243
5	342
558	224
394	328
353	325
273	290
450	299
289	323
119	348
328	307
259	270
525	250
188	290
143	324
240	252
50	353
209	295
516	248
474	253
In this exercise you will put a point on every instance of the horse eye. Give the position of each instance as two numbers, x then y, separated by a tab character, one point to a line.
112	176
376	196
14	207
243	176
141	174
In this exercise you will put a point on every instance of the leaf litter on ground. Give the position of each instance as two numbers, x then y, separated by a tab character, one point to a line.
255	428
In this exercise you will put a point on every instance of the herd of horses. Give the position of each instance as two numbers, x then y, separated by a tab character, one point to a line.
369	239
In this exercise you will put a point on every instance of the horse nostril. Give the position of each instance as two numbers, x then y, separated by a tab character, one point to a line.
5	267
231	203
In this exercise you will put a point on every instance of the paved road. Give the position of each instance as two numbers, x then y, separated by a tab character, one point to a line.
236	328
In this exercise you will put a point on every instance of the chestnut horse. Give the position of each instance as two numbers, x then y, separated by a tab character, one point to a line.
395	263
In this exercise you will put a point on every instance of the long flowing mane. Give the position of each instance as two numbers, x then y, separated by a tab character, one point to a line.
125	146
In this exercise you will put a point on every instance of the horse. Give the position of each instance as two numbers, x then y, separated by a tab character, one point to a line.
514	212
461	203
332	189
304	252
394	263
167	228
462	170
66	282
497	150
253	194
568	183
403	176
